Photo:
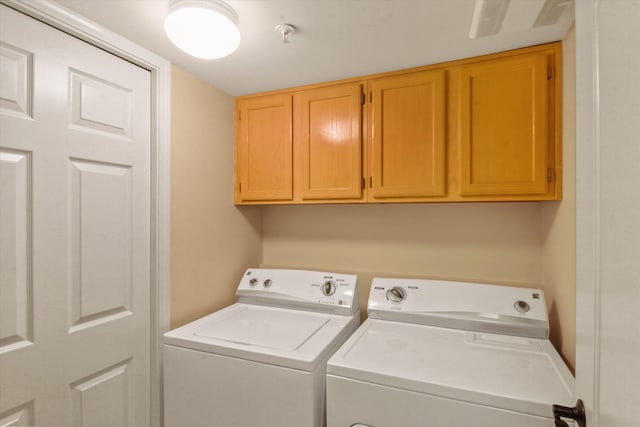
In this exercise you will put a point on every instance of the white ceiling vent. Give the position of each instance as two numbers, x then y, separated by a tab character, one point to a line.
504	16
552	11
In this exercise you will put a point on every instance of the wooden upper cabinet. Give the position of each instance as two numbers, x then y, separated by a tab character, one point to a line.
407	136
477	129
328	142
505	115
264	152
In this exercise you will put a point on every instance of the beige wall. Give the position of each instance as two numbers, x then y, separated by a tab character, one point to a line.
484	242
558	224
212	241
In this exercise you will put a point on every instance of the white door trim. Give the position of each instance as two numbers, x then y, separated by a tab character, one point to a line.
78	26
588	256
607	227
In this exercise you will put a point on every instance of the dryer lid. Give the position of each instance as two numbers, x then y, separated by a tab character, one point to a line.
256	326
520	374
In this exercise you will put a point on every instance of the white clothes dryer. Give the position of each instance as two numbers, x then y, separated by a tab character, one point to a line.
442	354
261	361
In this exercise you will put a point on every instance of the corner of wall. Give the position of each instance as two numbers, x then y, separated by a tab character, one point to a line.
559	223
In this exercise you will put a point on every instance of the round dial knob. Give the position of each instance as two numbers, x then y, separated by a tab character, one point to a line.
396	294
266	283
521	306
253	281
329	288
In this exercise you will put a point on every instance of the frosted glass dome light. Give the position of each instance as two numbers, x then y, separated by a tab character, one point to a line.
206	29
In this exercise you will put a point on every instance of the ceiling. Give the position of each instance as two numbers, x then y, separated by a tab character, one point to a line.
334	39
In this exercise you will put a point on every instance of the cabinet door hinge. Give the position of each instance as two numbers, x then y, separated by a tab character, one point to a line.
549	174
239	187
362	98
549	72
239	115
370	97
363	182
370	182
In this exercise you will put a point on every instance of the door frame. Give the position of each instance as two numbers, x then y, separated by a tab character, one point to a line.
588	177
599	193
69	22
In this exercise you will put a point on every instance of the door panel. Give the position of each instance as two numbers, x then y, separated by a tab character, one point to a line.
75	223
20	416
101	246
100	105
264	160
328	139
16	83
102	399
408	136
504	116
16	322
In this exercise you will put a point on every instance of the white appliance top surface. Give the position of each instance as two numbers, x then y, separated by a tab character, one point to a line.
515	373
280	336
257	326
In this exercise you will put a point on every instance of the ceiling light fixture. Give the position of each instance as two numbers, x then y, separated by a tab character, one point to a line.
206	29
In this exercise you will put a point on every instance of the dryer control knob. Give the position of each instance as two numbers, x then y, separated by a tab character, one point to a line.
253	281
266	283
521	306
396	294
329	288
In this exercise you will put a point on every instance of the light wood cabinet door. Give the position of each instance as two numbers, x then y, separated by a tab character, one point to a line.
328	142
504	127
407	136
264	156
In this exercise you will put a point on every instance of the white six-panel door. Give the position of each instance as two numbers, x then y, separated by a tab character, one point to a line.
74	231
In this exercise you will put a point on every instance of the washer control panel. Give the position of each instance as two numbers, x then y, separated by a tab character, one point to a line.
320	291
461	305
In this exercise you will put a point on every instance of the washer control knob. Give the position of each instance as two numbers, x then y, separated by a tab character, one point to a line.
253	281
266	283
329	288
521	306
396	294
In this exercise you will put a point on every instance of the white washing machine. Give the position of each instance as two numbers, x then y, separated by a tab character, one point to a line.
443	354
261	361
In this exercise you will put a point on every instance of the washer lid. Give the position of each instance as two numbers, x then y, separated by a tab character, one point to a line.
521	374
279	330
279	336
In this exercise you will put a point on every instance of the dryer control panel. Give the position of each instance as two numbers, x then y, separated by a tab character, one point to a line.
461	305
311	290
